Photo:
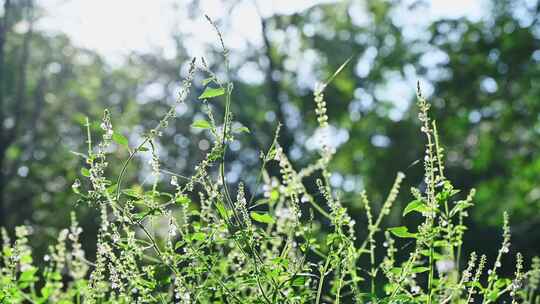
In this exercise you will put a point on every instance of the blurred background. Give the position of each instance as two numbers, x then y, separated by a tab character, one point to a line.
478	62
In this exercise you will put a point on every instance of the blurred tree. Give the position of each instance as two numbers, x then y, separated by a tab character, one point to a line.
47	87
481	79
486	94
274	82
10	126
376	132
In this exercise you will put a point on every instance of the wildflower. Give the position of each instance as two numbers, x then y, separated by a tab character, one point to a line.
174	181
106	126
320	110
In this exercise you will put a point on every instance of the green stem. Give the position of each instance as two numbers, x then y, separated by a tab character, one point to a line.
321	280
319	208
403	273
430	279
372	260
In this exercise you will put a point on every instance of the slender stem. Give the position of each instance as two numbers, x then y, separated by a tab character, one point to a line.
319	208
261	288
372	261
265	161
321	280
458	258
124	167
403	272
338	291
430	279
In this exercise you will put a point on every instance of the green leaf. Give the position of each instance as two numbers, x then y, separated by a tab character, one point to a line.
28	275
299	281
201	124
25	259
139	216
183	199
274	195
493	295
436	256
262	218
241	129
281	261
441	243
341	67
207	80
212	92
396	270
389	288
273	273
198	236
165	194
460	206
402	232
85	172
222	210
120	139
502	283
135	193
112	188
179	244
416	205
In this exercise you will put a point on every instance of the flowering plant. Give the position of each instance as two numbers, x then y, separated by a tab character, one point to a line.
288	245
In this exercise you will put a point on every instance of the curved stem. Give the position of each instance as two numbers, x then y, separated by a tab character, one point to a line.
321	280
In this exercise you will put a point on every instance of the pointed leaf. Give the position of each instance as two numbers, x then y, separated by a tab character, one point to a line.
201	124
222	210
299	281
120	139
341	67
183	199
262	218
134	193
212	92
416	205
199	236
207	80
85	172
402	232
241	129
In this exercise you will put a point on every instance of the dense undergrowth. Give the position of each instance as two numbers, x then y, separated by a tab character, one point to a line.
202	243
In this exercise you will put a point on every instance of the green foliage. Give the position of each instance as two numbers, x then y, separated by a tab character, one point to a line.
401	232
211	93
201	124
195	242
490	132
492	67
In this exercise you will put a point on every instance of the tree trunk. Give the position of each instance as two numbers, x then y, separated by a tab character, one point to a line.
3	147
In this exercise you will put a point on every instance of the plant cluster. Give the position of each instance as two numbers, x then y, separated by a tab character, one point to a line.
196	241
